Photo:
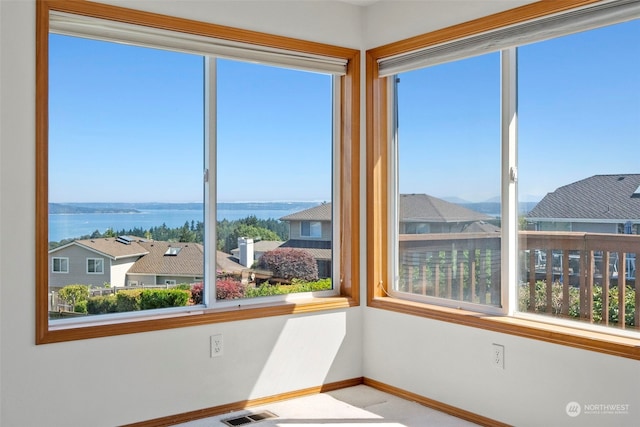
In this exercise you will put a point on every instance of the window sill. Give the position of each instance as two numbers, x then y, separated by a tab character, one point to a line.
562	335
130	325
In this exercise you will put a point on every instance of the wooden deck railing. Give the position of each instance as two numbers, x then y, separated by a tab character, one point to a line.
586	276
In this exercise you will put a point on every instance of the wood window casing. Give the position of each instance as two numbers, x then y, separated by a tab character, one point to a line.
349	131
378	175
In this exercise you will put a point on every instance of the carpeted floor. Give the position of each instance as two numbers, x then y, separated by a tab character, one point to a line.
348	407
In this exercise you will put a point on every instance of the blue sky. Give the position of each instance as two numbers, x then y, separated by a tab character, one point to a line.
126	123
578	110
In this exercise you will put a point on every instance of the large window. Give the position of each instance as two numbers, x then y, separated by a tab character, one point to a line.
169	161
448	171
529	131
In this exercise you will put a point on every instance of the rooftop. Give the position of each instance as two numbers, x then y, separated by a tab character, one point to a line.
602	197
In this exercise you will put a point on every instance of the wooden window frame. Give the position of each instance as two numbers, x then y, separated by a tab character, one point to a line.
378	122
349	174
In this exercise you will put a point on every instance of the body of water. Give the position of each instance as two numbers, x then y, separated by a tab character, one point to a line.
66	226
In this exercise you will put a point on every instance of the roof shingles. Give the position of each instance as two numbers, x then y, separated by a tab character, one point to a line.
188	262
600	197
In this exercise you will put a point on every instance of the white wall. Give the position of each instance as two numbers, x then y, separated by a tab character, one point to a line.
392	20
124	379
452	364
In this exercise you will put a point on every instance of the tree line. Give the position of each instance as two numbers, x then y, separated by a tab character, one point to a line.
227	232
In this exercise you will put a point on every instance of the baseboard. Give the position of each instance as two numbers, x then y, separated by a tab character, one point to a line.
442	407
237	406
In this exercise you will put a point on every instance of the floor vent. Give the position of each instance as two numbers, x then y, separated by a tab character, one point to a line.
243	420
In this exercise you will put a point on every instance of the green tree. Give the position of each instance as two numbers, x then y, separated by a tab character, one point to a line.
186	234
73	294
109	233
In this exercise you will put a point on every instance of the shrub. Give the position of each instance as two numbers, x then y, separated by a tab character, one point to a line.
229	289
265	289
556	298
80	307
574	302
613	312
290	263
163	298
183	286
73	294
196	293
102	304
128	300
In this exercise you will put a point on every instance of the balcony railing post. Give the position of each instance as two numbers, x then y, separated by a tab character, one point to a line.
549	286
605	287
622	289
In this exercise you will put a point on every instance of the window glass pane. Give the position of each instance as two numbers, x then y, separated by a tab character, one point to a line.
448	204
579	130
125	174
274	180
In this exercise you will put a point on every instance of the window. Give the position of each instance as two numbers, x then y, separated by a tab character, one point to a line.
590	96
60	265
486	123
140	121
311	229
169	282
414	228
95	266
448	118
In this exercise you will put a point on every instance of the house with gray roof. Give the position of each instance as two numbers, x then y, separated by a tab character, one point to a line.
598	204
125	261
311	229
423	214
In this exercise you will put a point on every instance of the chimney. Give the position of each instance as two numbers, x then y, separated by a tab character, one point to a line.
246	251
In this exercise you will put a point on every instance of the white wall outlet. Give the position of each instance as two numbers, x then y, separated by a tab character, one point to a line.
217	347
497	356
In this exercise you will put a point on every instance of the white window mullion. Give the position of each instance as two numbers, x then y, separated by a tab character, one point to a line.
210	217
336	184
394	189
509	123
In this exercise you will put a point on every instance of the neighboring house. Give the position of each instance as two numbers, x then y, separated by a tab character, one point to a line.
419	214
125	261
424	214
259	248
168	263
311	230
94	261
598	204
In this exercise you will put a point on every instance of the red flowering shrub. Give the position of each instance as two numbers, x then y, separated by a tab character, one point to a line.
290	263
228	288
196	293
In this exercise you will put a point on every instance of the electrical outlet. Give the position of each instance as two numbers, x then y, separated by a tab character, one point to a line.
216	345
497	356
